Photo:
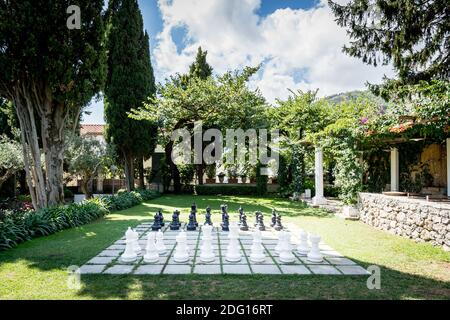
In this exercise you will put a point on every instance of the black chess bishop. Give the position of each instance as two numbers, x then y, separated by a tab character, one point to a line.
156	223
244	225
278	226
225	222
208	217
191	225
260	224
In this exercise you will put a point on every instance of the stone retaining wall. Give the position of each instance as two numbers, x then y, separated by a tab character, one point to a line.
416	219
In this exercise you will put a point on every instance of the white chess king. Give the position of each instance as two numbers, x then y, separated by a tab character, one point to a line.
151	253
129	255
314	254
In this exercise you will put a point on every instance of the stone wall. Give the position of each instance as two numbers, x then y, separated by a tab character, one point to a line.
412	218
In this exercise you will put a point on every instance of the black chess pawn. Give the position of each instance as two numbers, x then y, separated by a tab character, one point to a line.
161	218
225	222
191	225
244	225
278	225
175	224
261	225
274	218
156	223
208	217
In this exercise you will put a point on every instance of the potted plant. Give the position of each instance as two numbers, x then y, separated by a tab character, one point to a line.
221	176
243	178
211	173
232	175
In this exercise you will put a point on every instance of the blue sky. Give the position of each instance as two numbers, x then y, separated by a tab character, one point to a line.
297	42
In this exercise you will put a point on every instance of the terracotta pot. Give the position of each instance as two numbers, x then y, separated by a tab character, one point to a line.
210	180
252	180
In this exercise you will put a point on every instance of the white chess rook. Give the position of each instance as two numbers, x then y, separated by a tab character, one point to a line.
206	250
151	253
257	251
129	255
314	255
286	255
303	247
233	250
160	246
181	251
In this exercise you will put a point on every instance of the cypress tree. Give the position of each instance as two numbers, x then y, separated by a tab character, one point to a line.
130	82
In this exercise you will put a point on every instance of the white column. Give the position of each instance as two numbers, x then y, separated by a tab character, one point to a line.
394	169
318	172
448	167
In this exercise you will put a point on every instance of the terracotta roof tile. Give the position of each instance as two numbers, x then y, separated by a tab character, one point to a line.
92	129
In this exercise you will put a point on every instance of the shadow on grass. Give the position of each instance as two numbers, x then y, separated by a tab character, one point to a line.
394	285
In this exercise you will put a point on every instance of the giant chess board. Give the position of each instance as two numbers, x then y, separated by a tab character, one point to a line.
108	261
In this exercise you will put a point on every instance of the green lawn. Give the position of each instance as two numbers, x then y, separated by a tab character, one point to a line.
37	269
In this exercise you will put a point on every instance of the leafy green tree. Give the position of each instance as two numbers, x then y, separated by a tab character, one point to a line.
87	157
413	35
200	68
219	101
49	72
129	82
11	158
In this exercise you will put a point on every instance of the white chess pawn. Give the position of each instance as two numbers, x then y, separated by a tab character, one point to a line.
160	246
206	251
303	247
257	252
137	248
129	255
183	234
181	251
286	255
151	254
281	237
233	251
314	254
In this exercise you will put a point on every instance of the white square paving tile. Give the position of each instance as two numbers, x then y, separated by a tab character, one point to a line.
101	260
294	269
236	269
149	269
266	269
177	269
92	269
353	270
119	269
318	269
207	269
340	261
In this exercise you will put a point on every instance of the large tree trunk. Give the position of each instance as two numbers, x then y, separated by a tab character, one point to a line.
173	168
141	173
46	187
129	170
199	169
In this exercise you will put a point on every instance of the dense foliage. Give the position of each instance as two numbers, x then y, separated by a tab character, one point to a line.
20	226
223	189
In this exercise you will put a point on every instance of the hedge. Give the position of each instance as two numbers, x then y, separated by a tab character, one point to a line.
17	226
223	189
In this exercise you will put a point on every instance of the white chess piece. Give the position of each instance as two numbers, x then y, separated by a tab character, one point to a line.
303	247
181	250
129	255
137	248
281	237
151	253
206	251
286	255
257	251
160	246
233	251
314	255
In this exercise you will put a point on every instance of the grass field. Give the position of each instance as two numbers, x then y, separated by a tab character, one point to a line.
37	269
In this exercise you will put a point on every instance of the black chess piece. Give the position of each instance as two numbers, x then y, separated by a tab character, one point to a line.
278	225
274	218
225	222
194	211
244	225
191	225
257	213
208	217
241	213
261	225
175	224
156	223
161	218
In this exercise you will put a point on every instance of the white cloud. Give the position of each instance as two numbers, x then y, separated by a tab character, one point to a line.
289	42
